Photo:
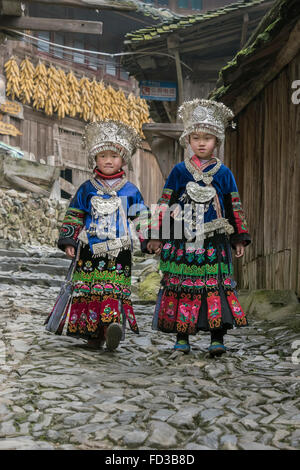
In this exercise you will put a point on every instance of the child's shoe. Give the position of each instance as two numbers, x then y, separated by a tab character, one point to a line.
216	348
113	336
94	343
182	345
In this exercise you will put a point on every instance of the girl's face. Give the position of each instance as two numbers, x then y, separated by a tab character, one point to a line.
109	162
203	144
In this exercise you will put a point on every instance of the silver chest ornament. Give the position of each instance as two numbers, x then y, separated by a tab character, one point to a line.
104	212
103	206
200	194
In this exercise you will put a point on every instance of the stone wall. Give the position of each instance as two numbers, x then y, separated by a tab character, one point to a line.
29	218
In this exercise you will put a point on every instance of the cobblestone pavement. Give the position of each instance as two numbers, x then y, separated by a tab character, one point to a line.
55	394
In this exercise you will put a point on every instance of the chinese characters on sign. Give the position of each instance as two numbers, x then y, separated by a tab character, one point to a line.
160	91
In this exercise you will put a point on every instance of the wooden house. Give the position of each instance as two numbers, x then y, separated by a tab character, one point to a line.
67	35
190	52
262	86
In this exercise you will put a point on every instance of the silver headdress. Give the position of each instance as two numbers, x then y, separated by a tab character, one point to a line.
110	135
201	115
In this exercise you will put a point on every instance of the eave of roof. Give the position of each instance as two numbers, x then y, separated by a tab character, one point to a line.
183	23
251	62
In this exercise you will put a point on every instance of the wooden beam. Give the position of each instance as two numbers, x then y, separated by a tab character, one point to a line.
25	185
67	186
213	65
121	5
11	7
51	24
172	130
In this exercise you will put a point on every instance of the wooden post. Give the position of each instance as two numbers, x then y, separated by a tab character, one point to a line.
244	29
179	77
173	47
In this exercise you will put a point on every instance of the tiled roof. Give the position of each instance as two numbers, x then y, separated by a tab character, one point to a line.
184	22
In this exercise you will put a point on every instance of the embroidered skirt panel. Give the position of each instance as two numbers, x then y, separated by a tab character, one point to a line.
101	295
197	289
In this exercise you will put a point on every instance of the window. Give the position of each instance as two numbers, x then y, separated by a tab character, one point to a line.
111	68
77	56
43	46
162	3
148	1
58	51
93	59
124	75
197	5
183	3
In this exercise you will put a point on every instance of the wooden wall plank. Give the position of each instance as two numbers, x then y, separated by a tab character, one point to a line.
264	157
33	139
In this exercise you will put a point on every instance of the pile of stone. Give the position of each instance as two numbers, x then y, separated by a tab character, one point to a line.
29	218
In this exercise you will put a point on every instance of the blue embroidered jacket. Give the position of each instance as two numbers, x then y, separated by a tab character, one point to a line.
79	214
226	189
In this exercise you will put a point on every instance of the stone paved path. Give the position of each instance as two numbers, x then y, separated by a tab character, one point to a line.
55	394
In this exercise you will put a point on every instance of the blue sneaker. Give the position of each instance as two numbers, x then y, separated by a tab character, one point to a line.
216	349
182	345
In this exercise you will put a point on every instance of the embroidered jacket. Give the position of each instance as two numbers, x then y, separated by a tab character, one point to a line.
227	206
79	215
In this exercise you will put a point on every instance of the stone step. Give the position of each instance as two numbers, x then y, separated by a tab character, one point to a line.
46	266
16	253
21	280
34	268
17	250
33	260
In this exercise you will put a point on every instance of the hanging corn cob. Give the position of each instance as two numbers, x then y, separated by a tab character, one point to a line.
106	101
74	94
97	112
122	105
40	86
63	104
26	80
86	98
133	112
54	91
52	97
111	107
143	112
13	78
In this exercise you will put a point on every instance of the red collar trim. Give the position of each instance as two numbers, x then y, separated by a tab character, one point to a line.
199	162
109	177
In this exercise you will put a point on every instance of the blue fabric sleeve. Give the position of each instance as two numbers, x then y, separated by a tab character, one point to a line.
228	182
74	219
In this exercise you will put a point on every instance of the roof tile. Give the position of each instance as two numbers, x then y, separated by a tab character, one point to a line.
176	22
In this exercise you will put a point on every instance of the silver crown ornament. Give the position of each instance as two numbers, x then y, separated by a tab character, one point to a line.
200	115
110	135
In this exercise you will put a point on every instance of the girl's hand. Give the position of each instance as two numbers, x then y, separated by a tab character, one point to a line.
154	246
240	250
70	251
